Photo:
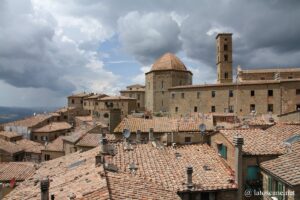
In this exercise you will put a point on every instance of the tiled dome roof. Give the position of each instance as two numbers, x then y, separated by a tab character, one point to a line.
168	62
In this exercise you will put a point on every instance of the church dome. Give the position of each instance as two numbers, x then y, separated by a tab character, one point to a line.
168	62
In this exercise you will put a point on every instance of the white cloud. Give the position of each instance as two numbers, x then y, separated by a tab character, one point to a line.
140	78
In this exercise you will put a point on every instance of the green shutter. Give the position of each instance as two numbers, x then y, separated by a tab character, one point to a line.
269	183
225	152
280	189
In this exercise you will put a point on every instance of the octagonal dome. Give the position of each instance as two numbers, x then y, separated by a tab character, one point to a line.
168	62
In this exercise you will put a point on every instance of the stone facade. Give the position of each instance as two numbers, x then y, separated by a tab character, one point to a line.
138	92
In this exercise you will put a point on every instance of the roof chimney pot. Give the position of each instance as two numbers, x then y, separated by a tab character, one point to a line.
44	185
189	171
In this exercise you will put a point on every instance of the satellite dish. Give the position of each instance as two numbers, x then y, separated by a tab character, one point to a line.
202	128
126	133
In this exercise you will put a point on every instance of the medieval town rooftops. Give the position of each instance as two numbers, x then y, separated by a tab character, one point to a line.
160	124
55	145
73	175
286	167
16	170
9	147
7	134
96	96
54	126
30	146
167	166
168	62
256	141
89	140
29	121
80	95
116	98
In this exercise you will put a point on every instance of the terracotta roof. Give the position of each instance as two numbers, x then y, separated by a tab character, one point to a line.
168	62
55	145
270	70
80	95
18	170
30	146
161	124
89	140
136	86
8	134
74	174
115	98
286	167
256	141
29	121
163	168
96	96
65	109
9	147
54	126
75	136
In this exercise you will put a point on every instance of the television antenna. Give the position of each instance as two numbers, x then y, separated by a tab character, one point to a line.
126	133
202	128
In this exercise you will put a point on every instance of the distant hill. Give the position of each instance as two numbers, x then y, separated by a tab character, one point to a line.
8	114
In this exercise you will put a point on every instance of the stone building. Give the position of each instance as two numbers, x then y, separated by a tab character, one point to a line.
90	102
168	71
136	91
76	101
254	92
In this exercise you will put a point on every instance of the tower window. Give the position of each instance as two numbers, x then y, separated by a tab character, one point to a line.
176	109
270	93
225	47
298	107
173	95
182	95
252	93
162	84
195	109
270	107
230	93
230	108
225	57
297	91
72	101
213	94
252	107
213	109
226	75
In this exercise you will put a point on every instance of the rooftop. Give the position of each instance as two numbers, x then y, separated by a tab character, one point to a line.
286	167
9	147
55	145
168	62
18	170
80	95
116	98
30	146
270	70
54	126
8	134
29	121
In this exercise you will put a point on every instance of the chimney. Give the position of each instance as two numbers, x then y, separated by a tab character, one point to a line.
103	146
238	142
189	171
151	138
138	136
99	159
45	184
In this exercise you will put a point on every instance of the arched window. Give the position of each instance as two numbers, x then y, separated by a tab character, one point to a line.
106	115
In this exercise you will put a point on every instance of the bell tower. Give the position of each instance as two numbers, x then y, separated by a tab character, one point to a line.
224	57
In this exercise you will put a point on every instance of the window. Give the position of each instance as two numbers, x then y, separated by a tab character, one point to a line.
252	173
187	140
182	95
35	137
173	95
195	109
72	100
222	150
225	47
262	78
81	101
213	94
138	105
270	107
225	57
270	182
162	102
47	157
85	103
106	115
252	93
290	77
138	96
230	93
230	108
252	107
198	95
226	75
176	109
44	138
298	107
270	93
297	91
213	109
162	84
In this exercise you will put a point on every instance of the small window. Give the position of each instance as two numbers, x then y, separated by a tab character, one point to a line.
85	103
106	115
298	107
225	47
270	93
35	137
252	93
47	157
270	107
162	84
182	95
72	101
252	107
195	109
81	101
138	105
262	78
297	91
198	95
226	75
173	95
213	94
290	77
222	150
252	173
230	93
213	109
230	108
225	57
187	139
176	109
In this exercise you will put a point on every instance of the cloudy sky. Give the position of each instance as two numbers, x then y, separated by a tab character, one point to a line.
52	48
